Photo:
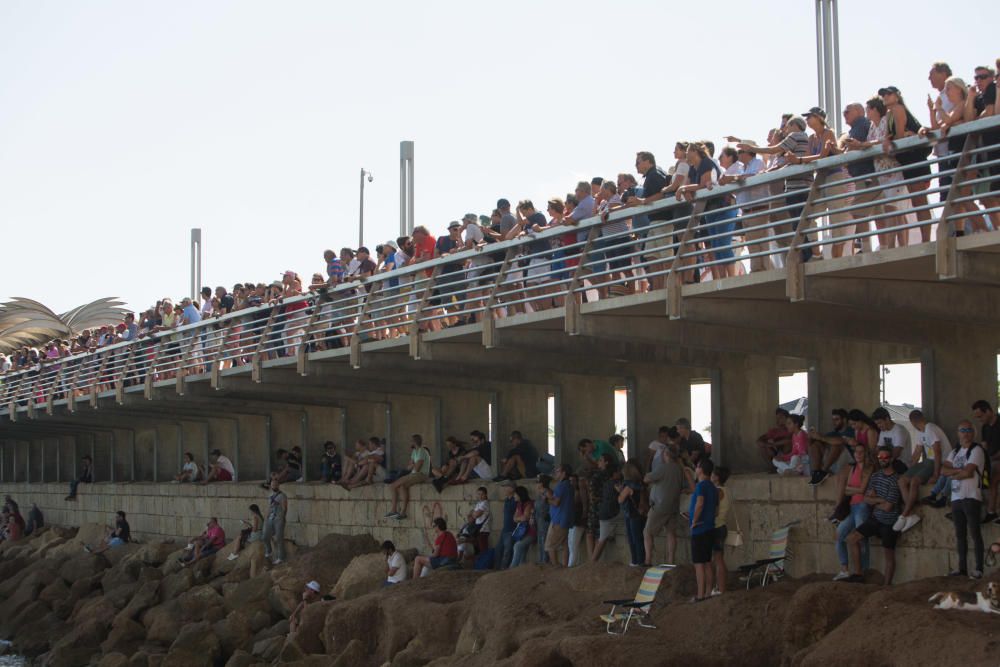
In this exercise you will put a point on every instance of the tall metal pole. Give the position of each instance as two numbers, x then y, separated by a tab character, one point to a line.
405	187
819	53
828	58
195	262
361	212
838	117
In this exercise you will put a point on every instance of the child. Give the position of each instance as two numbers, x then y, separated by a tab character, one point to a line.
796	462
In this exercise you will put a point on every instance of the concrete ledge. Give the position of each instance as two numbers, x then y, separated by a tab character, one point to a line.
761	503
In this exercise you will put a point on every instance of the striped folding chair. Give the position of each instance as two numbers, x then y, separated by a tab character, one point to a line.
637	608
773	567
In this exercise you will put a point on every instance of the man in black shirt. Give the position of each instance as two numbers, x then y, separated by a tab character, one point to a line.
692	445
985	103
654	181
984	412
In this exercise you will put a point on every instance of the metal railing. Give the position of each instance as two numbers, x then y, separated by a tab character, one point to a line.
778	228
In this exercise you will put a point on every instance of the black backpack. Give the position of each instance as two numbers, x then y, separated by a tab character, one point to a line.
984	476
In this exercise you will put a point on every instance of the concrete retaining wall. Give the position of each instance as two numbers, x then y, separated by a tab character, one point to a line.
761	504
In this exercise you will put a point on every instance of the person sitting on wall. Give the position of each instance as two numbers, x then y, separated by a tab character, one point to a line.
190	472
206	544
86	476
521	461
445	551
451	466
330	464
289	468
372	468
420	463
476	461
777	440
118	536
220	468
352	462
825	451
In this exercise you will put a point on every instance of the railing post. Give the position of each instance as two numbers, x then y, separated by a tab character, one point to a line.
55	385
95	387
946	257
356	334
120	382
795	277
184	359
34	390
571	306
675	276
302	353
414	332
147	390
215	372
255	362
489	325
71	398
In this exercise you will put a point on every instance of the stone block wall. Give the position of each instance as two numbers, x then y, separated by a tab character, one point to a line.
761	503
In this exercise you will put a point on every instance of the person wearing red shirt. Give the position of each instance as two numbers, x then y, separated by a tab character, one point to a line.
206	544
445	550
777	441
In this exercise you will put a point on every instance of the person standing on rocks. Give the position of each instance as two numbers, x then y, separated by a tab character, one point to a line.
666	481
561	512
274	525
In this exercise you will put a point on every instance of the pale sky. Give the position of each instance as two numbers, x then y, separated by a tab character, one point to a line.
125	123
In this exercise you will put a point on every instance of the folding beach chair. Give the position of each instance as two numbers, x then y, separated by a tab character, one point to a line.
772	567
637	608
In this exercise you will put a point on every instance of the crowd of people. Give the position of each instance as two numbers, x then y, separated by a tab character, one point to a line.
628	254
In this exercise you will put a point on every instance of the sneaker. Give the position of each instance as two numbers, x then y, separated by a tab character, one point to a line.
840	576
816	477
400	516
928	500
189	547
715	592
976	574
911	521
958	573
900	523
233	556
277	561
990	517
391	515
940	502
86	547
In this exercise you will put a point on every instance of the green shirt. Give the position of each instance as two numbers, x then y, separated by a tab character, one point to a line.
420	454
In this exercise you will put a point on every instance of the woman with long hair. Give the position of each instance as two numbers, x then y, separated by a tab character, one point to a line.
900	123
852	482
524	513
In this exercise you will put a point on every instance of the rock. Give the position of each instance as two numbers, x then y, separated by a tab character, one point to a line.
279	629
268	649
234	632
309	634
82	566
353	654
77	591
363	575
196	602
117	555
163	622
117	576
144	598
195	646
27	617
114	660
25	594
154	554
57	590
95	608
67	656
176	583
121	595
242	659
323	563
252	593
290	652
36	638
125	637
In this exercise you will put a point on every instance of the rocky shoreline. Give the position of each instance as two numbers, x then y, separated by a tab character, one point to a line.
135	606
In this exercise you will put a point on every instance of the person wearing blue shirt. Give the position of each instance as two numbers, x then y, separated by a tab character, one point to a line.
506	544
704	502
560	515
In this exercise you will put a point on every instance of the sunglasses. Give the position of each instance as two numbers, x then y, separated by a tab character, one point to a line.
980	77
884	458
965	430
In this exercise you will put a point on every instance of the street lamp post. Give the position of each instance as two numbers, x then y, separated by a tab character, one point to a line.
361	213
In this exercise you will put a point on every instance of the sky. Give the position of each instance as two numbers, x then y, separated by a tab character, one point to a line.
123	124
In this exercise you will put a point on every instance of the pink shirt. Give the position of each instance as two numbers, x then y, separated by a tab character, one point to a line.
216	536
800	446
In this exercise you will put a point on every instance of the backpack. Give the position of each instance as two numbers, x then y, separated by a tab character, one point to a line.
984	476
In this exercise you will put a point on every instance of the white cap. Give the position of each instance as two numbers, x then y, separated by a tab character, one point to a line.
314	585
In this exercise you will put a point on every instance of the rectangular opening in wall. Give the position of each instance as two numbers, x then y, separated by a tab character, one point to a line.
900	385
701	408
551	424
793	392
621	413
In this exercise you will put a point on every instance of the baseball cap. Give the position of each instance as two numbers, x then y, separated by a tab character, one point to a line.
471	217
391	244
888	89
503	203
313	586
364	250
815	111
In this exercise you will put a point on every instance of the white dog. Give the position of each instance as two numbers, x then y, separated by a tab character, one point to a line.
988	604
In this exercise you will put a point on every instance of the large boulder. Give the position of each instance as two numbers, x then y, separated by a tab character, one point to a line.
235	632
243	659
196	603
268	649
154	554
163	622
37	636
251	594
117	555
363	575
114	660
57	590
121	595
82	566
195	646
309	635
125	637
144	598
176	583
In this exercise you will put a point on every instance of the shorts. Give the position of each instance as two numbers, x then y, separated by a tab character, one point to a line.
607	530
701	547
658	518
556	537
872	528
412	479
222	475
537	268
379	475
441	561
719	543
924	470
116	542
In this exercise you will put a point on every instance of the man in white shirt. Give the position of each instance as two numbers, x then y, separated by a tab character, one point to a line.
965	468
926	468
395	564
892	435
939	108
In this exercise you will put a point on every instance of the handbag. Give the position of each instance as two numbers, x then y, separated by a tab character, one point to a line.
520	530
734	538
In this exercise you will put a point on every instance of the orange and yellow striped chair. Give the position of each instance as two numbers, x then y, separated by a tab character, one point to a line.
638	608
